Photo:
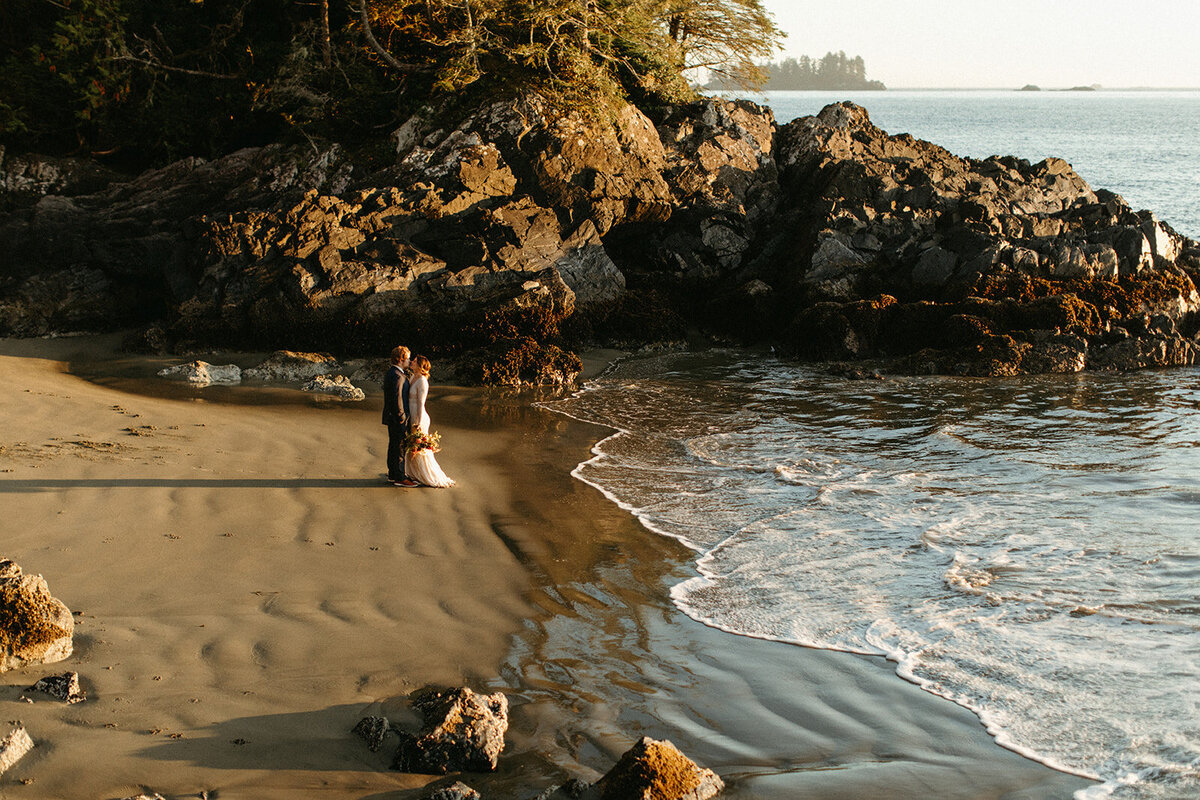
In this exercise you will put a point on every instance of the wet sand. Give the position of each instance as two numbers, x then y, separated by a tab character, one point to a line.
249	588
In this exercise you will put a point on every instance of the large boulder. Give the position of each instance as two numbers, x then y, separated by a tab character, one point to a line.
35	628
462	732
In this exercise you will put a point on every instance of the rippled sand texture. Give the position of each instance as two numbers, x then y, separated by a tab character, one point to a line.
249	589
248	586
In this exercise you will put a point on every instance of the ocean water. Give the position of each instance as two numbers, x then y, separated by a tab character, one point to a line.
1028	548
1143	145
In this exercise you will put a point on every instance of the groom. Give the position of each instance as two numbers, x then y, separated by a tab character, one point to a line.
395	416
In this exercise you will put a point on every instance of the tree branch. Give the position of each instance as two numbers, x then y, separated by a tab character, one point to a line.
378	48
159	65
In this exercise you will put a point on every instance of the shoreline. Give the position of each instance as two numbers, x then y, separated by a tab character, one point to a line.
521	579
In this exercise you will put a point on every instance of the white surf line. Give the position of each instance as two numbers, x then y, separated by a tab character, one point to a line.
902	660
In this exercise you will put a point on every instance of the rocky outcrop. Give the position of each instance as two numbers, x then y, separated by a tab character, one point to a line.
338	386
491	231
462	732
891	247
202	373
521	225
650	770
125	254
35	628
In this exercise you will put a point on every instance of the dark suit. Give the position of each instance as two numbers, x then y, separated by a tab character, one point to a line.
395	402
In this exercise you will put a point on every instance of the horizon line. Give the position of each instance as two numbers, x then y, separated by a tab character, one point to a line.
1049	89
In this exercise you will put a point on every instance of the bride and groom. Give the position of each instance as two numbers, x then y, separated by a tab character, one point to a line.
405	389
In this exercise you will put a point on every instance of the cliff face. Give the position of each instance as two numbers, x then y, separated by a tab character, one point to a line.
825	235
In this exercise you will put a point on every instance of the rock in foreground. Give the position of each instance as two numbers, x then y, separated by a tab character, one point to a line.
35	628
462	732
13	747
650	770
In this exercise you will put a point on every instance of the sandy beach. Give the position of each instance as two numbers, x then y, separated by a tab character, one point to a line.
247	587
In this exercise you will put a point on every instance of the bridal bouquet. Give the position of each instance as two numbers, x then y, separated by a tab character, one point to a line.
416	440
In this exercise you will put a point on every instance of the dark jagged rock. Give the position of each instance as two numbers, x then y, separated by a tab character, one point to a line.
65	687
26	179
462	732
125	254
374	731
35	628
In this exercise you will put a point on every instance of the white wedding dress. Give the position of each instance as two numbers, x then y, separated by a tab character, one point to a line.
421	466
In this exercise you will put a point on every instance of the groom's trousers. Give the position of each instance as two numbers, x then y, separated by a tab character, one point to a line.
395	453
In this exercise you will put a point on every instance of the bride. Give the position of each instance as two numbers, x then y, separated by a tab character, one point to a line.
420	465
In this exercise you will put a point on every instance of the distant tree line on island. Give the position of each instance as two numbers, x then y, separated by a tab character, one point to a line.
833	71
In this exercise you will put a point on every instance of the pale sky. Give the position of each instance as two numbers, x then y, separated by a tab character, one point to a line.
1003	44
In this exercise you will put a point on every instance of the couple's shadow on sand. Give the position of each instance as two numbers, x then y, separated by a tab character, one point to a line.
311	741
319	740
19	485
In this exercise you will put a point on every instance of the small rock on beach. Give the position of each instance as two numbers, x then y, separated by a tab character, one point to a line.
338	386
287	366
455	791
65	687
13	747
202	373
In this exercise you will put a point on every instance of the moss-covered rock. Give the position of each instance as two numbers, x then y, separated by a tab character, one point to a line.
519	362
35	628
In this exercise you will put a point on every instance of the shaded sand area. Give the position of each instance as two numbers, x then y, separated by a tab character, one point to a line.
249	588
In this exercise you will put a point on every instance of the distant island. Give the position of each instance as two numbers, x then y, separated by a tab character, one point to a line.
833	71
1030	87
